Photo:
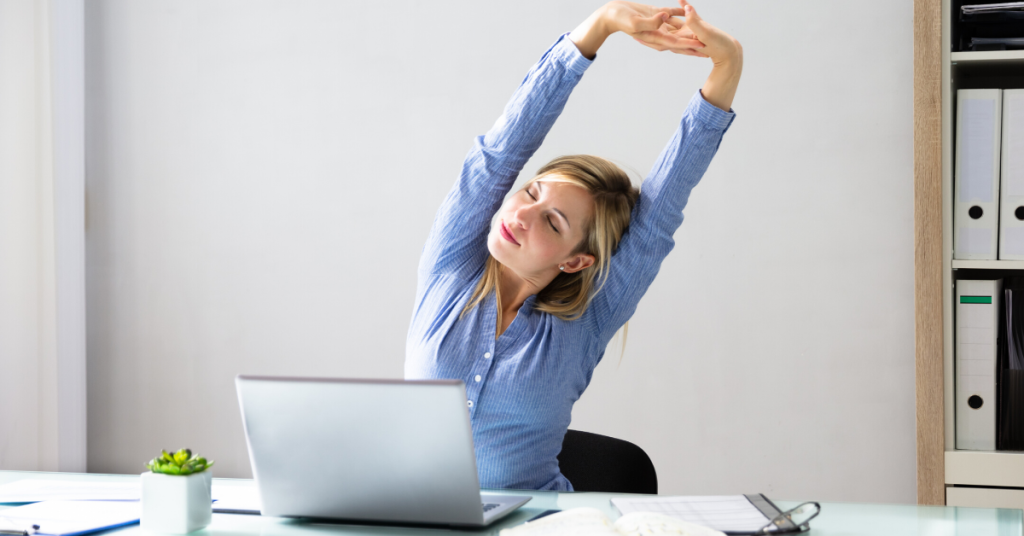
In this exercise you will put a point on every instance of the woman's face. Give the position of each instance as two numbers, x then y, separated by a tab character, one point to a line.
539	227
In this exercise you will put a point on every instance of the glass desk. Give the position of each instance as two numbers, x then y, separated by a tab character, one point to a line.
836	519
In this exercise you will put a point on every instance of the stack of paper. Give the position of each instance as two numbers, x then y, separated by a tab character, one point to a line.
236	499
727	513
70	518
71	507
32	490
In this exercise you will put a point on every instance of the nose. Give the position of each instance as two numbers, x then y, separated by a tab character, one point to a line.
524	216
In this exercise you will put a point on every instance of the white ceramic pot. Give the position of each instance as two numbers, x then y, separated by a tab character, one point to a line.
176	504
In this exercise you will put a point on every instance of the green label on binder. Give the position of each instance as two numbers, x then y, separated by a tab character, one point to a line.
975	299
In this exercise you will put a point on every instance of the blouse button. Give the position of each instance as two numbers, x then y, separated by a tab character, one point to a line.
477	377
469	403
487	355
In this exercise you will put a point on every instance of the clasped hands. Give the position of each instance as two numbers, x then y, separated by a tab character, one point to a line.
659	28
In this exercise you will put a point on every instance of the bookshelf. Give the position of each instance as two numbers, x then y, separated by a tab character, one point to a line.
963	478
999	57
988	265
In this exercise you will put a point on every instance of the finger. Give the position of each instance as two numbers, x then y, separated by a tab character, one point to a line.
656	38
674	22
691	52
646	24
678	32
674	11
669	41
692	18
694	44
682	32
648	45
659	48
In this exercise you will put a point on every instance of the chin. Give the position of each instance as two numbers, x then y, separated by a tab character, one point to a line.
496	245
494	240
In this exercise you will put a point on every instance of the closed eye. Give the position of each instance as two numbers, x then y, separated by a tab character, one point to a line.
551	223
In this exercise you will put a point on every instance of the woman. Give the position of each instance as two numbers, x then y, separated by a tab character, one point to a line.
521	307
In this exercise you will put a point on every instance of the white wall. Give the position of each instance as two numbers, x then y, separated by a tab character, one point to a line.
262	176
42	236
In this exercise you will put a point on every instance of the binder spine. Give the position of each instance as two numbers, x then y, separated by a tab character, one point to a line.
976	174
1010	410
977	329
1011	177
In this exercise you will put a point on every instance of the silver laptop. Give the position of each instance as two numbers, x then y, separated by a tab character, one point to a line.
365	450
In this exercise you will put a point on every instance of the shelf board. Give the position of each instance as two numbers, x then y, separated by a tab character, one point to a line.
988	265
979	468
993	56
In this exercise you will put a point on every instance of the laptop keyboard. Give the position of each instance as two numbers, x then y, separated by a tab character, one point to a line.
489	506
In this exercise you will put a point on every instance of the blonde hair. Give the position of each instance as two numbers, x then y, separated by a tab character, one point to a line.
568	295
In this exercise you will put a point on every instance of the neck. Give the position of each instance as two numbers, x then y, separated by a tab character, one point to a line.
515	290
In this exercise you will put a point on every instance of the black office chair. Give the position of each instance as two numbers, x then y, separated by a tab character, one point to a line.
593	462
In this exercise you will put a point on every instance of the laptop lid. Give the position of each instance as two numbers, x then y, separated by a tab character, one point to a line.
371	450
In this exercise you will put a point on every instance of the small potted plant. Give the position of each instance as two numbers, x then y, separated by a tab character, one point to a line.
176	493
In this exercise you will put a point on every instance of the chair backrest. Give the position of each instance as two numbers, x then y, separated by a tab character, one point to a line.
593	462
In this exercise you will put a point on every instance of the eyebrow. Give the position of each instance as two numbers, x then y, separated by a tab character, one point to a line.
540	186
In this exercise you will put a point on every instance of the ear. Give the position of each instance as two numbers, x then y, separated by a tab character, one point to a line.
578	262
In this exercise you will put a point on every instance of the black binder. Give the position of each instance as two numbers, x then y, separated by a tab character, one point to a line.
768	508
1010	373
989	30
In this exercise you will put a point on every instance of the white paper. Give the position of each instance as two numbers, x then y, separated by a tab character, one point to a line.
238	499
649	524
575	522
67	518
35	490
720	512
976	141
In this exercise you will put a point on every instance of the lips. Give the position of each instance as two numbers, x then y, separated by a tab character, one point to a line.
507	234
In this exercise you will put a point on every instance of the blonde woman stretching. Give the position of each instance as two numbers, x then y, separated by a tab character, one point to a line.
522	309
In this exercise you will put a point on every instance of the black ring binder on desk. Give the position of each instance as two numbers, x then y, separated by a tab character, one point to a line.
768	508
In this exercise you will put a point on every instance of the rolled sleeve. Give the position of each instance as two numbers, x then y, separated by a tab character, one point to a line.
708	114
566	52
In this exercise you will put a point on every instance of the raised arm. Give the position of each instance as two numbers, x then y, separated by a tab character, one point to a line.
725	52
457	241
679	168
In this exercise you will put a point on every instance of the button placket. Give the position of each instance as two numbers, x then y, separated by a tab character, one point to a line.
475	383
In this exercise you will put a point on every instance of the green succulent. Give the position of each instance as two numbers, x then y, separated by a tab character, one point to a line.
182	463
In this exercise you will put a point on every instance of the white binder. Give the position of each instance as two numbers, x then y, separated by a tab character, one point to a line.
1011	187
976	175
977	319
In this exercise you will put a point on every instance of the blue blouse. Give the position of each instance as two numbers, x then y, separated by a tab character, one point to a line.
522	386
